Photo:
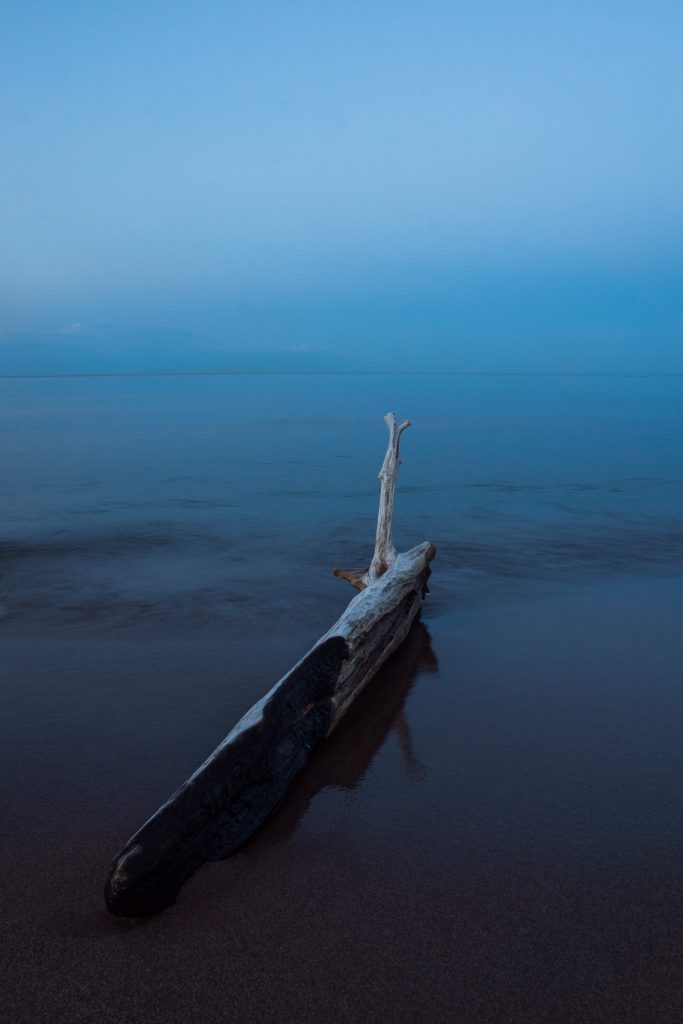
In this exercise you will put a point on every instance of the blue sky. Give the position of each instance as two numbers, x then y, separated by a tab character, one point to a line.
439	185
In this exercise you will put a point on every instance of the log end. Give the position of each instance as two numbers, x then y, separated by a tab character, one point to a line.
233	792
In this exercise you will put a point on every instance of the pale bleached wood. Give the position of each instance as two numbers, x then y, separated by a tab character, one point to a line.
238	786
385	552
377	621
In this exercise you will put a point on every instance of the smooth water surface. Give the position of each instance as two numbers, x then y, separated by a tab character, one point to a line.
496	831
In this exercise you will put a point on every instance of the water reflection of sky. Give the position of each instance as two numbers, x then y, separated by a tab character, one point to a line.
170	503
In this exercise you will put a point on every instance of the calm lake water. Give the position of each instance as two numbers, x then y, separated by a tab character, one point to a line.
495	834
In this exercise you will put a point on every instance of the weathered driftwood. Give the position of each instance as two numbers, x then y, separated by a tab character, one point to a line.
233	792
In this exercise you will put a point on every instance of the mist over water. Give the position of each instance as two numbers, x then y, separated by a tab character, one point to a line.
176	502
508	788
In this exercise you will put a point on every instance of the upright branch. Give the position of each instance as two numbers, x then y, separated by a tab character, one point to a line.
385	553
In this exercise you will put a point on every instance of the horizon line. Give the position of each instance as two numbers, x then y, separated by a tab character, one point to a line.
338	373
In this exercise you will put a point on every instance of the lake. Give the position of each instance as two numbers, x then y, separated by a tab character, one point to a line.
495	832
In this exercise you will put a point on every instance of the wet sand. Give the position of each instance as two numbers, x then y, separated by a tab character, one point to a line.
519	860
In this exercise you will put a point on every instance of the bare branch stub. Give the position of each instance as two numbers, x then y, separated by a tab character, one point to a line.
356	577
385	553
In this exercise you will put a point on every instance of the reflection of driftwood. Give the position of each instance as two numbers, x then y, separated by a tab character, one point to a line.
345	758
233	792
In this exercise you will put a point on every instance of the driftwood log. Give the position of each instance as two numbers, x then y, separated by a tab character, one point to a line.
238	786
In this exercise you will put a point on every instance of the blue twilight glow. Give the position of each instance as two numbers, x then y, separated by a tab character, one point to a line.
475	186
